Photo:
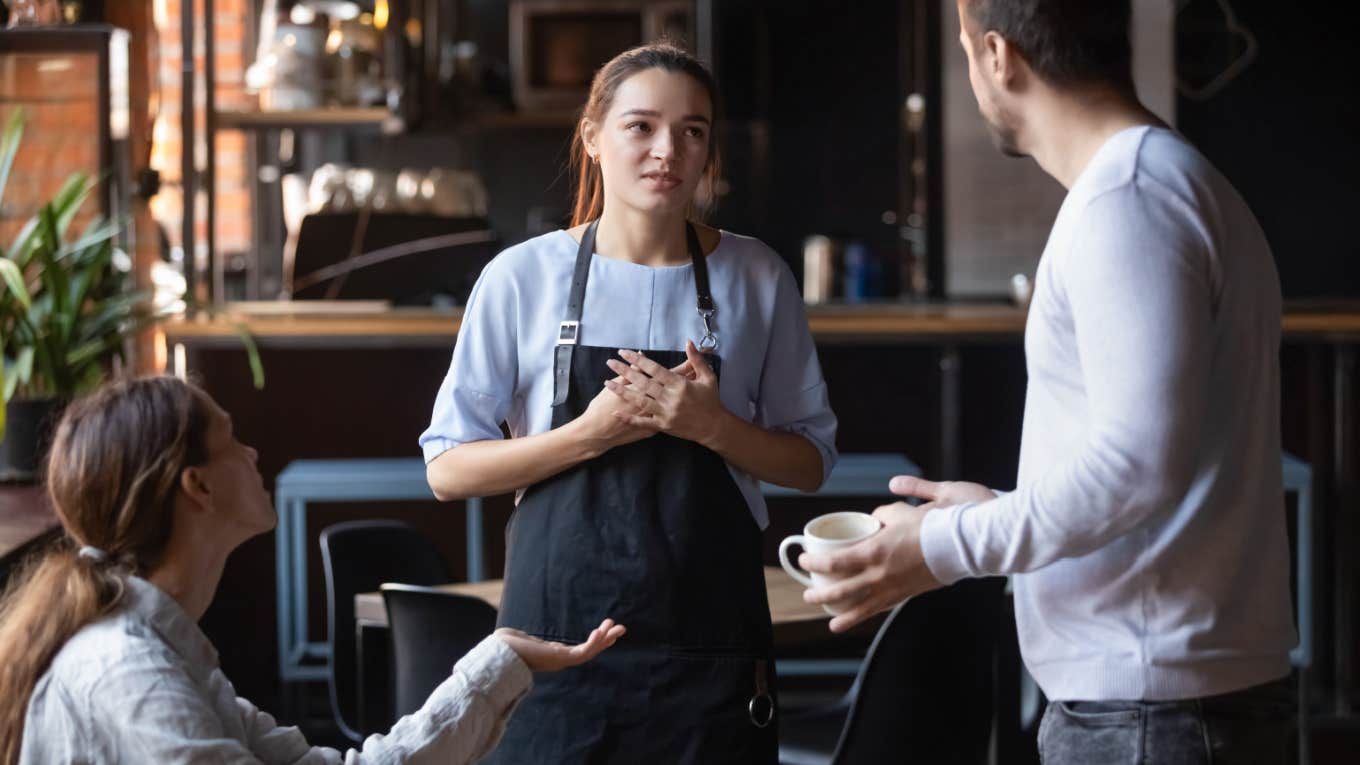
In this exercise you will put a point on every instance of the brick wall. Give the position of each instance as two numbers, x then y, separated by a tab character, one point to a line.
58	96
232	191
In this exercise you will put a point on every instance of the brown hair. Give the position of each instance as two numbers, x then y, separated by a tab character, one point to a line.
658	55
1065	42
112	474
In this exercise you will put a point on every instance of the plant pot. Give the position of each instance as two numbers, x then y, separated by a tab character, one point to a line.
28	433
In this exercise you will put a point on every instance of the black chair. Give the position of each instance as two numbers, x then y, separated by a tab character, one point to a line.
431	631
924	693
360	556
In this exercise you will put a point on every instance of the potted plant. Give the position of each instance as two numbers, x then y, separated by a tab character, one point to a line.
66	311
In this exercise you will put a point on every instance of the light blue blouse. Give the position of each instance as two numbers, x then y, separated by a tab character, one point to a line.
502	362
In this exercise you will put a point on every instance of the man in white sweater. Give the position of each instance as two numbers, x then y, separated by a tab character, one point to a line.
1146	536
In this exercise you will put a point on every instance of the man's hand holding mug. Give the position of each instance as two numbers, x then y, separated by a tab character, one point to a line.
880	570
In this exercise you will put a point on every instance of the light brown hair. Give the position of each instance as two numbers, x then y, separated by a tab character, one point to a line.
112	474
658	55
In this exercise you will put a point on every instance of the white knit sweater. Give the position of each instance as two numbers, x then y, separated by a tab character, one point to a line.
1147	529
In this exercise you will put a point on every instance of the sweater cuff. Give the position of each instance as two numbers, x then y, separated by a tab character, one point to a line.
940	544
494	669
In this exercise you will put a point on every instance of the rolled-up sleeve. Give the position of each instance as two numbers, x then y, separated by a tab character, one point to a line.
476	393
465	716
793	394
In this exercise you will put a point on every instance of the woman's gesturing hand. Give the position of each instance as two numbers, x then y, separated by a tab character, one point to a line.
682	402
545	656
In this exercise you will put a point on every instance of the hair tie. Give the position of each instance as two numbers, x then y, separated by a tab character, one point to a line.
93	553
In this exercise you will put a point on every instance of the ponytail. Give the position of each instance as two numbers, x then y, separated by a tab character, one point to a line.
48	603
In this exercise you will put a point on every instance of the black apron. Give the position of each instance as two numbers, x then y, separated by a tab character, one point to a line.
657	536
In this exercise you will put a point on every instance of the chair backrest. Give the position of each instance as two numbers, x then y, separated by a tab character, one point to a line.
431	631
359	556
925	691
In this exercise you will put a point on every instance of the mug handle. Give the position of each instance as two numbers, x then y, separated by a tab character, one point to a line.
796	539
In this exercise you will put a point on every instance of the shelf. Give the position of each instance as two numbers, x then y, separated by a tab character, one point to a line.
363	118
524	119
380	119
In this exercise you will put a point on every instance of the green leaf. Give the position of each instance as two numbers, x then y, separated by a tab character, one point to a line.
54	277
89	380
21	251
69	199
11	383
90	275
9	146
20	373
92	350
252	354
90	241
114	311
13	279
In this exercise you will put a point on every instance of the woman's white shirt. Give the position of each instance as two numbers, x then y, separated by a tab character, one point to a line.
143	685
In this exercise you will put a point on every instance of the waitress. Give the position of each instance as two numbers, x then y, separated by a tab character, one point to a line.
651	372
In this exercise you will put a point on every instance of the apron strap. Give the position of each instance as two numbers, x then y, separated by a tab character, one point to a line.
569	331
709	342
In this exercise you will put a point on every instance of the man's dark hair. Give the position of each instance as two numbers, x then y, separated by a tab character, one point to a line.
1066	42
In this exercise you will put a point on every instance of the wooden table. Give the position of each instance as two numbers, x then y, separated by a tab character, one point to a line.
794	621
26	523
24	516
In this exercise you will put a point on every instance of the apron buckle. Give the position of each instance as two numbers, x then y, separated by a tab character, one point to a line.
568	332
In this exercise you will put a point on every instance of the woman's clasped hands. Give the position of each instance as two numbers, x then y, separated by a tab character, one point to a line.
682	401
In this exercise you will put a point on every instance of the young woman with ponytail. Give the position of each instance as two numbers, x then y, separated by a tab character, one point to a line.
644	411
101	658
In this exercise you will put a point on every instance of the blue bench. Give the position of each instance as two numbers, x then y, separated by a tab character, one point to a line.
403	479
344	480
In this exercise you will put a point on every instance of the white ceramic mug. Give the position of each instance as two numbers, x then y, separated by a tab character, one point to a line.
827	533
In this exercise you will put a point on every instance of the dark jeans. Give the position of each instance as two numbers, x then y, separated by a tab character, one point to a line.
1254	725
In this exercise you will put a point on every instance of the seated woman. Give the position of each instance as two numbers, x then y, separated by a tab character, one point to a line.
101	658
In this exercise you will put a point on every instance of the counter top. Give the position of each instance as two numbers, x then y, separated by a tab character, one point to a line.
926	323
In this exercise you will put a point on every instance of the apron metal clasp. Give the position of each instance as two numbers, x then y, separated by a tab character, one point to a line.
761	710
709	341
761	706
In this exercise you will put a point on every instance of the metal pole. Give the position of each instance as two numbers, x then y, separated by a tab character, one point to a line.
188	174
1343	514
217	288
